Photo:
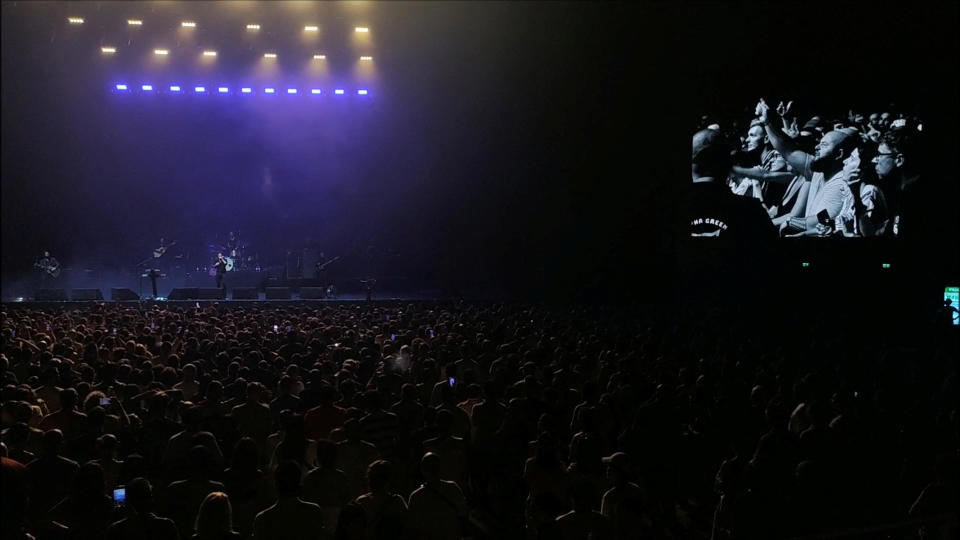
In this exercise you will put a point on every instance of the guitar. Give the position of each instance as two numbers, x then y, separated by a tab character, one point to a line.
323	266
157	253
53	270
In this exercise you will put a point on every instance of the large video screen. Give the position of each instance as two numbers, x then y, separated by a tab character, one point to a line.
780	169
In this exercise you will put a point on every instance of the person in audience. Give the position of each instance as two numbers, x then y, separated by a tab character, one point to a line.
898	165
437	506
715	211
325	417
289	518
246	485
824	170
87	511
253	419
141	523
326	486
51	475
622	504
182	499
215	519
584	521
386	512
67	418
666	397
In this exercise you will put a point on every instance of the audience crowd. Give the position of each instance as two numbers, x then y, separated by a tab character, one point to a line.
446	420
870	167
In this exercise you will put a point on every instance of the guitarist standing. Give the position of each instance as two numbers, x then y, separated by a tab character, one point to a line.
321	267
50	267
160	262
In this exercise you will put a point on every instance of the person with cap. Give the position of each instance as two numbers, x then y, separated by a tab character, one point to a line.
622	503
715	211
824	170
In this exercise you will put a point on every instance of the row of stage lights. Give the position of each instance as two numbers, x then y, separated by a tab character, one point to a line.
209	53
224	90
251	27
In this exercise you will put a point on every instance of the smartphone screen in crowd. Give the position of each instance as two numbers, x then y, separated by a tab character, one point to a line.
120	496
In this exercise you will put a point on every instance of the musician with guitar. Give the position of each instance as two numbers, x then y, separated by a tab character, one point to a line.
49	266
162	250
321	267
323	263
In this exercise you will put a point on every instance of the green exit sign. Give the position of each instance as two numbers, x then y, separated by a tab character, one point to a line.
886	265
806	265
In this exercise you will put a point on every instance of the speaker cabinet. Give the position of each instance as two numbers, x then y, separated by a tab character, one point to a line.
212	294
123	295
278	293
50	295
245	293
184	293
312	293
86	294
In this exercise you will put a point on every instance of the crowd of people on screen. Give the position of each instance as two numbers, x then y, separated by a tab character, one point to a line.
455	420
855	176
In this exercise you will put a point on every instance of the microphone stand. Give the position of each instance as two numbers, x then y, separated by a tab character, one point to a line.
143	263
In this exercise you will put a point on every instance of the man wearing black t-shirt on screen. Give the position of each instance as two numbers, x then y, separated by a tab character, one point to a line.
732	236
715	210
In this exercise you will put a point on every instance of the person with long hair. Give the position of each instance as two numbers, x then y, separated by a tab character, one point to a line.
215	519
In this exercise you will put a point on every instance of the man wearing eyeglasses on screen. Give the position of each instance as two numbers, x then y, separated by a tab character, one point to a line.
897	165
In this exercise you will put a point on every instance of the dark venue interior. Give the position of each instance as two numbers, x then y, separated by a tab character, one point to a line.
280	270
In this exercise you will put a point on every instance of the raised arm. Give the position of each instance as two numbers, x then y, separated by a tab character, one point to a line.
758	173
781	142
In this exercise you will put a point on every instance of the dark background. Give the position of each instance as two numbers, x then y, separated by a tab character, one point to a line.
536	149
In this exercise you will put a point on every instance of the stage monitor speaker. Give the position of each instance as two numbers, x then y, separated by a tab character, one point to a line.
51	295
123	295
312	293
245	293
86	294
278	293
212	294
185	293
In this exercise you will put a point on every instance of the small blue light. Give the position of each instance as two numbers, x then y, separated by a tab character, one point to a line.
174	88
121	87
291	90
223	89
269	90
246	90
315	91
361	92
147	88
199	89
338	91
